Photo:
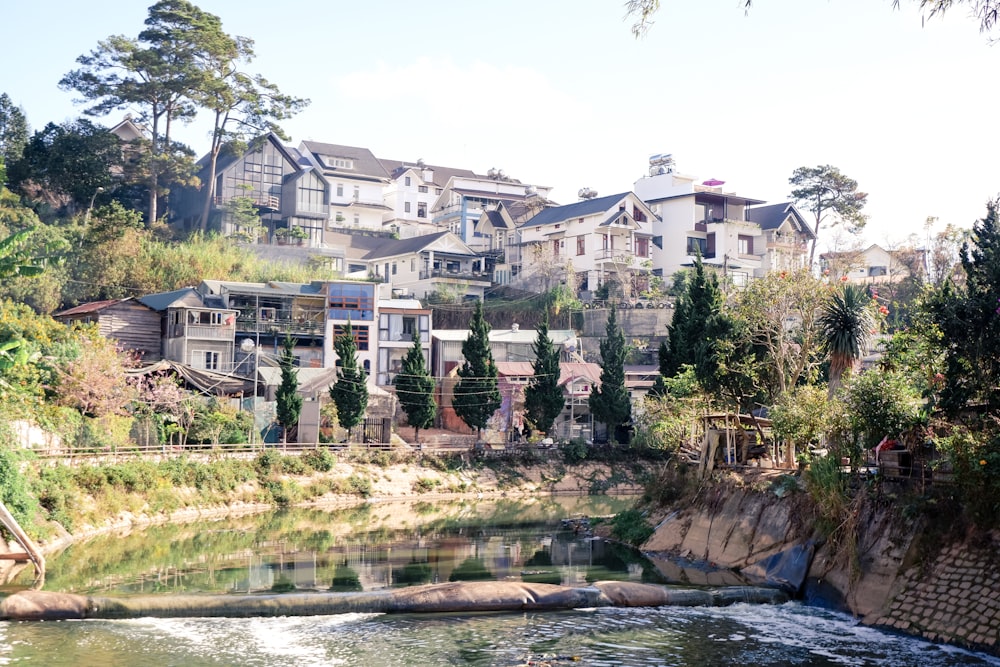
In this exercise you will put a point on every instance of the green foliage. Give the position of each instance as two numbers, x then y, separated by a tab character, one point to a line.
631	527
14	488
880	403
289	402
476	396
471	569
974	457
847	323
13	131
801	415
360	484
610	404
543	398
574	451
320	460
415	389
968	318
350	392
687	333
426	484
826	192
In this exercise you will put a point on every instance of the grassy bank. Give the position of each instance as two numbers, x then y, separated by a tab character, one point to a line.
90	497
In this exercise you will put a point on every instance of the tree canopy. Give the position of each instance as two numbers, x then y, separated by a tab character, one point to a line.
831	197
289	402
350	391
985	12
543	397
610	403
415	389
476	396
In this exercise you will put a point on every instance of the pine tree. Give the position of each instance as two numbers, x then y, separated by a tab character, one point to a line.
687	331
610	404
476	394
288	399
415	389
968	317
543	398
350	391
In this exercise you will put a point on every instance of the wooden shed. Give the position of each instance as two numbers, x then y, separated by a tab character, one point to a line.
133	325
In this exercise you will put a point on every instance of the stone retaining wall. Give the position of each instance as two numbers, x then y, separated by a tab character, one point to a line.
954	598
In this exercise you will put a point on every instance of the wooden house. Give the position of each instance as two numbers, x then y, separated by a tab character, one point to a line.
134	325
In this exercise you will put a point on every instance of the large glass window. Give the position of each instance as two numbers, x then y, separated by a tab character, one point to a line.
696	246
350	302
360	335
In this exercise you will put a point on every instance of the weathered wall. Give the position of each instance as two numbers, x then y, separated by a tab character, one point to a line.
950	596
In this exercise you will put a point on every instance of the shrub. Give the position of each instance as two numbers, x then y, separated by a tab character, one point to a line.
631	527
426	484
267	462
574	451
360	485
14	488
320	460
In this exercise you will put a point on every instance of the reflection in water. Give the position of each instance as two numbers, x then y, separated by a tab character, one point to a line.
382	545
370	547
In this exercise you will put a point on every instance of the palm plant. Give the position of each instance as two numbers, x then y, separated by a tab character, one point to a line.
848	323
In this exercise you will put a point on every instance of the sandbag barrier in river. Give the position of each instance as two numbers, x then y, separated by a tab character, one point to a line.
450	597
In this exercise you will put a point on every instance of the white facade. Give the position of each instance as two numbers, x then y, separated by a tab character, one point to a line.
410	195
603	239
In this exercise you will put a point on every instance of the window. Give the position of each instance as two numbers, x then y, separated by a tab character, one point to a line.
696	246
421	210
340	162
642	247
347	301
406	207
637	214
394	268
205	360
581	245
409	326
360	336
438	191
421	188
745	245
406	181
413	265
340	189
555	248
357	219
357	192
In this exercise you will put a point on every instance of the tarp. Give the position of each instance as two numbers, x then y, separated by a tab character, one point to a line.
209	382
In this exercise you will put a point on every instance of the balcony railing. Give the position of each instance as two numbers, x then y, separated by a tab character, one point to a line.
203	331
455	274
615	255
298	326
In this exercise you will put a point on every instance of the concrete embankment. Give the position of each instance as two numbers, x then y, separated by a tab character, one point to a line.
433	598
947	592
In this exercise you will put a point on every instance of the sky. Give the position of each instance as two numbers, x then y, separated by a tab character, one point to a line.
560	93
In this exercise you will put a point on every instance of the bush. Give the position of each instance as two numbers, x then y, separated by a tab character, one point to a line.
14	488
574	451
267	462
360	485
320	460
631	527
426	484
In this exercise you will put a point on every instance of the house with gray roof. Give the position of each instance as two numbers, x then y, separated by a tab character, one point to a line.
433	264
786	237
357	180
592	243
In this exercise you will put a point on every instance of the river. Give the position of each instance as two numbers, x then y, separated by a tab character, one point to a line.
382	545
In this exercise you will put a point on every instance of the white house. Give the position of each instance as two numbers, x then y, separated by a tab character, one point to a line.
356	180
786	237
603	239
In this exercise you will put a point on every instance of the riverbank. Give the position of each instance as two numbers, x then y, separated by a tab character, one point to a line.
891	571
116	501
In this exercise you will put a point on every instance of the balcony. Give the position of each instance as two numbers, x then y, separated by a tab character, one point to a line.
456	274
202	331
299	326
616	255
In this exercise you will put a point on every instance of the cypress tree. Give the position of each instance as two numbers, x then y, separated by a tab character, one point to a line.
415	389
610	404
476	394
688	328
543	398
349	392
289	402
